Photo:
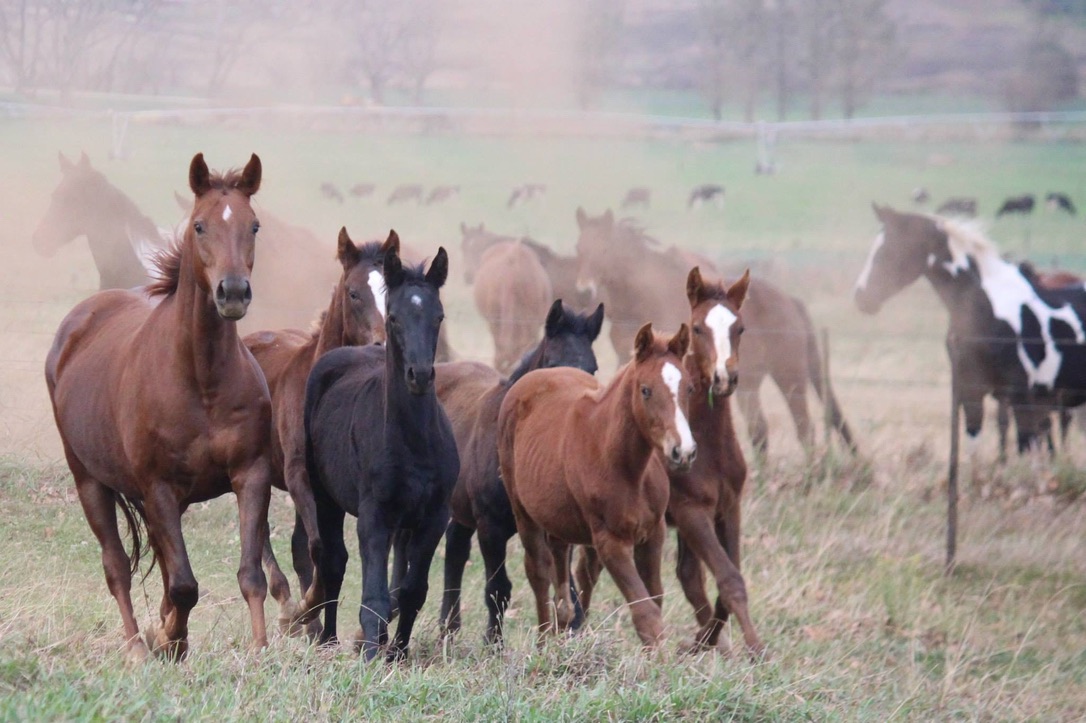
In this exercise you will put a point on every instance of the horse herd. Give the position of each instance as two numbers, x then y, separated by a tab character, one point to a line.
160	404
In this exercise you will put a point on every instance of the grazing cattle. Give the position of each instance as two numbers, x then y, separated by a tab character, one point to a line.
442	193
1015	340
406	192
355	317
1059	202
362	190
1017	204
159	405
639	196
122	240
920	195
705	193
621	265
582	466
512	292
472	394
704	502
379	446
958	206
329	191
525	193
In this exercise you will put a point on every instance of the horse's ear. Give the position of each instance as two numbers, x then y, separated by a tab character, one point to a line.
392	243
439	269
694	285
250	177
882	212
346	252
609	218
595	322
679	343
554	319
84	160
643	342
183	203
737	292
582	218
392	269
65	164
199	175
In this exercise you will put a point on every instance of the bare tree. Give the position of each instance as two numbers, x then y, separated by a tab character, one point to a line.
714	56
865	44
734	47
598	42
22	27
815	24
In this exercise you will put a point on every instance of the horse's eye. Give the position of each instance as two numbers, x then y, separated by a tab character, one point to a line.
646	392
741	330
689	388
697	330
198	227
256	226
353	294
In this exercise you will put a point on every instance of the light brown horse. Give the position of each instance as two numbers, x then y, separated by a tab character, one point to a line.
636	281
512	293
355	317
161	405
704	504
580	466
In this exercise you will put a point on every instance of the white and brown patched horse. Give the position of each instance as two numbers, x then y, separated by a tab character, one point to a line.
1016	340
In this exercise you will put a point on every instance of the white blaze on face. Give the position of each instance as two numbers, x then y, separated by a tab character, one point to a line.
672	377
416	300
720	320
865	275
376	280
227	212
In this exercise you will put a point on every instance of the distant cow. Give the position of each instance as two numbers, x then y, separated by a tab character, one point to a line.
362	190
329	191
958	206
525	193
1059	201
638	196
1017	204
406	192
921	195
442	193
706	192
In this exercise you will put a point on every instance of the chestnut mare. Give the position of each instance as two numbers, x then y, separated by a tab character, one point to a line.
472	394
512	293
636	281
161	406
379	446
122	240
355	317
580	466
704	504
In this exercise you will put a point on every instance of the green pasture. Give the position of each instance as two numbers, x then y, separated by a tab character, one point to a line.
843	558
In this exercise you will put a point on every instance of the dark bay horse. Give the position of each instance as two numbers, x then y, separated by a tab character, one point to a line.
579	462
122	240
355	317
512	292
621	264
705	501
160	405
1016	340
472	394
379	446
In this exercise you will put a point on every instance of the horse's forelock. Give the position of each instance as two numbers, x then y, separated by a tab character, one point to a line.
966	236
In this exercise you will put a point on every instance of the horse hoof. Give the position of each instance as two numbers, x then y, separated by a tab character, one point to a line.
164	648
136	653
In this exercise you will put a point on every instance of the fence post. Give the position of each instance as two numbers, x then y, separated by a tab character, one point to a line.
952	473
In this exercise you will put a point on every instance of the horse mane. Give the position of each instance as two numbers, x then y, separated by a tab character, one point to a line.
629	231
966	237
525	364
167	269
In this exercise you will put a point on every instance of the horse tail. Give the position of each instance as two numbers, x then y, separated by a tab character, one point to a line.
137	529
822	385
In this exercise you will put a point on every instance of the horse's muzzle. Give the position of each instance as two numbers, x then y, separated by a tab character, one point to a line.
232	297
865	301
722	388
680	460
419	379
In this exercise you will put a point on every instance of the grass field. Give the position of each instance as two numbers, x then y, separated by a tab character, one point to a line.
843	558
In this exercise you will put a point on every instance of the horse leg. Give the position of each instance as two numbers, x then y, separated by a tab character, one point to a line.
563	599
750	405
99	507
538	568
795	395
688	569
400	540
414	586
647	557
374	539
589	568
617	556
333	561
180	593
492	543
278	586
306	542
252	486
457	553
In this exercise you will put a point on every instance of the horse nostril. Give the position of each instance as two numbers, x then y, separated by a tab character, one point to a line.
676	454
247	295
411	374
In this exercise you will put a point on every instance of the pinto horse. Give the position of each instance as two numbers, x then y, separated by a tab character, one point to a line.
160	406
379	446
122	240
579	463
620	264
355	317
1016	340
704	504
472	394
